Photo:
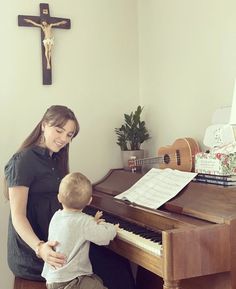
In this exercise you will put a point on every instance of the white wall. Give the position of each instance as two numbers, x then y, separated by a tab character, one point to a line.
187	65
94	72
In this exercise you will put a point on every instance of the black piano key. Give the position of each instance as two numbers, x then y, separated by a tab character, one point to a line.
130	227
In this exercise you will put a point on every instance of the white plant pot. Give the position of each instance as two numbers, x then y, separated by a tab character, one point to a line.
126	156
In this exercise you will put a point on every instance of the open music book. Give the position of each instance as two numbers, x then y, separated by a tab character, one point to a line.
157	187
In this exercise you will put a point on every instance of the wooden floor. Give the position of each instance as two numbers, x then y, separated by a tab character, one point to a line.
20	283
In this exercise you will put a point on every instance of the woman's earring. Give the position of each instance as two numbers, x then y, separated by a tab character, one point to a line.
42	138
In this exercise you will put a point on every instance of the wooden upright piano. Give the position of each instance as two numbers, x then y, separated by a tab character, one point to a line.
194	234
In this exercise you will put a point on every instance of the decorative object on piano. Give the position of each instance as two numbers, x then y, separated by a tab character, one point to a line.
131	135
180	155
131	155
219	161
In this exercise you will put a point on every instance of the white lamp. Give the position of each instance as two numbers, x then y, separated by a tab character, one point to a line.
232	119
221	132
218	135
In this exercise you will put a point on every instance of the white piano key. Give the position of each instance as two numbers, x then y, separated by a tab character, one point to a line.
145	244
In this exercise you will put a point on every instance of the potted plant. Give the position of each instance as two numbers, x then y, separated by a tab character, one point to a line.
131	135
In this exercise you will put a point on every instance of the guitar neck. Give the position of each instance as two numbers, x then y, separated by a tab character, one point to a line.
148	161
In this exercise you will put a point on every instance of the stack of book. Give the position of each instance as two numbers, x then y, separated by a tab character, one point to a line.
222	180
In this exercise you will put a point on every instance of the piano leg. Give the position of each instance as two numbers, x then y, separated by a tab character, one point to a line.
171	284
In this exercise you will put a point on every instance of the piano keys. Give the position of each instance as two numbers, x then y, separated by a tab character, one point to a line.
195	235
139	236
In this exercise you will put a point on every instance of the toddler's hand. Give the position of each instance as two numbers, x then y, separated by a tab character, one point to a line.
117	227
98	216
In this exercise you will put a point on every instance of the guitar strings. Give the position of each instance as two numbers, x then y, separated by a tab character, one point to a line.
151	160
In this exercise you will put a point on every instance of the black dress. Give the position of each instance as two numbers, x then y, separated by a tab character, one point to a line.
37	170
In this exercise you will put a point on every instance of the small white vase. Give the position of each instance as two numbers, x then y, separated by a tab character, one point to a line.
126	156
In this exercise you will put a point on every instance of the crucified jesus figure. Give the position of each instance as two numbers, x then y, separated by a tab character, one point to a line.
48	40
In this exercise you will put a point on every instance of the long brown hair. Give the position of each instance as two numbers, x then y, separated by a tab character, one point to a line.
56	115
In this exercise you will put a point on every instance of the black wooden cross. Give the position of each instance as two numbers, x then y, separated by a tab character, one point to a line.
45	22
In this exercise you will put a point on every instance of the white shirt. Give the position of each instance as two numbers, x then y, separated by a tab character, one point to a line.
74	231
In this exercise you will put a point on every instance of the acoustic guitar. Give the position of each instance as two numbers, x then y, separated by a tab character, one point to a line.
180	156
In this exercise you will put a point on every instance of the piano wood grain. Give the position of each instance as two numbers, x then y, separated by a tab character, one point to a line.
198	230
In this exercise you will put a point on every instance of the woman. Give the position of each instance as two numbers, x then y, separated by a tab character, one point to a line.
33	175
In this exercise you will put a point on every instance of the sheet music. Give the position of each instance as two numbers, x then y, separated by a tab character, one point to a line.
156	187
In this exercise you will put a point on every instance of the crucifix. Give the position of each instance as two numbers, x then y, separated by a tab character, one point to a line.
45	22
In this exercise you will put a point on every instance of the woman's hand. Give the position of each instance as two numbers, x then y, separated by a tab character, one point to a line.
53	258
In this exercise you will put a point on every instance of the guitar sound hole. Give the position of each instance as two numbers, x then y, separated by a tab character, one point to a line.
166	159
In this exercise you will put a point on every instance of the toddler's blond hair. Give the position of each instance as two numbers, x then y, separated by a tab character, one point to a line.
75	191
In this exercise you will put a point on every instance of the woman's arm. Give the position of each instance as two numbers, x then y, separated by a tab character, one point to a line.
18	197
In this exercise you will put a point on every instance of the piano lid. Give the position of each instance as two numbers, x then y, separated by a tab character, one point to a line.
117	181
204	201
